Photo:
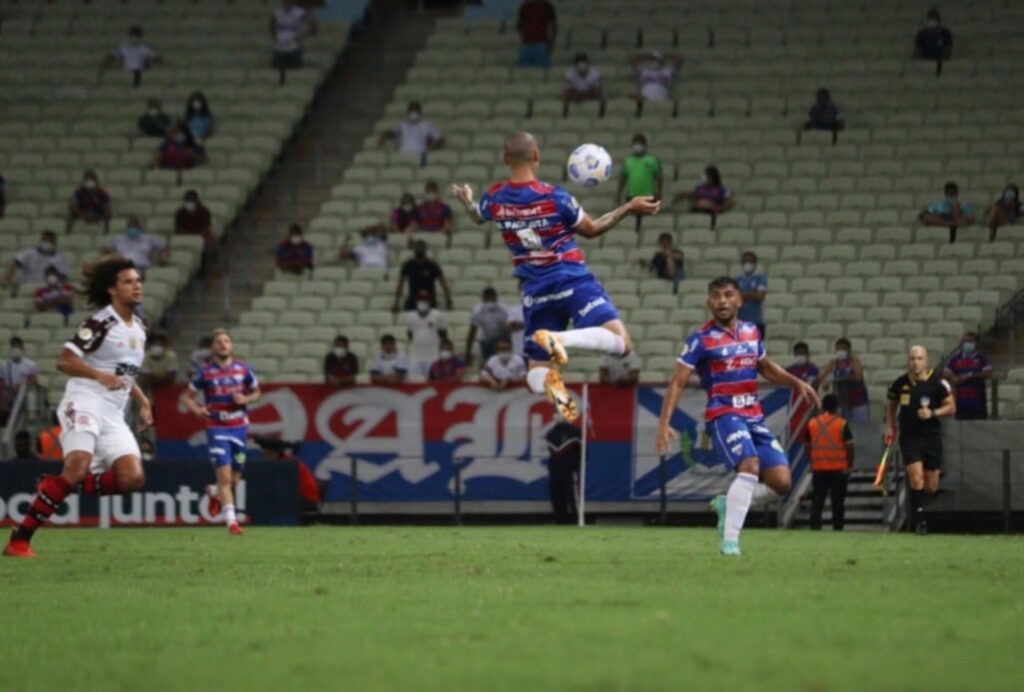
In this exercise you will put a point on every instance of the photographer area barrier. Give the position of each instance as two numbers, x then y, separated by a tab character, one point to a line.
395	449
174	495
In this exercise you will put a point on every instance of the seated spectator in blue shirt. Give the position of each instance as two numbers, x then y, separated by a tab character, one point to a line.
1004	211
824	113
934	41
753	287
198	117
948	212
802	366
295	255
968	369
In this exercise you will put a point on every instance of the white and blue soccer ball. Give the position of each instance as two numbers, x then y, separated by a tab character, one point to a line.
589	165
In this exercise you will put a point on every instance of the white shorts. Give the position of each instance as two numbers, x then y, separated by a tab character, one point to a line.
86	426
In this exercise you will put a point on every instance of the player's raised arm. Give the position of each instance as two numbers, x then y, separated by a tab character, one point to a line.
676	385
592	228
464	193
776	374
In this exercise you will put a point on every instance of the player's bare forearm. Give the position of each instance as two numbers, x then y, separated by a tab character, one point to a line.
771	371
464	193
947	409
140	397
890	414
254	396
69	363
675	390
593	228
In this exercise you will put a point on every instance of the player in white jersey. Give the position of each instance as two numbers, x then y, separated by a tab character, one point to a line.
103	358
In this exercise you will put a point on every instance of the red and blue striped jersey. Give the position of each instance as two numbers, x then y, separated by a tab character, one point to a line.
727	365
537	222
218	386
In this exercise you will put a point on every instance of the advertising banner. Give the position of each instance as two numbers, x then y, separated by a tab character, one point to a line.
402	442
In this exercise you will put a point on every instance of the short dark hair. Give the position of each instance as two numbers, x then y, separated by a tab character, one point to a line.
341	337
48	234
950	186
801	346
504	340
665	236
581	57
640	137
824	93
295	229
414	106
713	175
490	291
16	341
722	282
191	194
974	335
387	339
934	14
430	185
23	435
830	403
135	30
843	340
101	276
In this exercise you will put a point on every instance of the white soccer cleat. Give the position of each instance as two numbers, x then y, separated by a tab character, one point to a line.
558	395
552	345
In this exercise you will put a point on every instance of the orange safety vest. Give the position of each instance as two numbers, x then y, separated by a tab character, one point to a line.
828	448
49	444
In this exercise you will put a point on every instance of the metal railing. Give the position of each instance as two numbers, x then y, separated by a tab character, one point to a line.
30	407
1008	316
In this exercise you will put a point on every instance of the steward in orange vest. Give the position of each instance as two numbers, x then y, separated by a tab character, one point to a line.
49	442
830	447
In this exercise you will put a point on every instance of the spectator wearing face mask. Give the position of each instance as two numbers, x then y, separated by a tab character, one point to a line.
753	288
641	172
709	196
31	263
968	369
55	295
289	25
372	252
179	150
415	135
847	375
15	372
200	357
537	26
198	117
89	204
141	248
403	217
133	55
667	262
426	328
934	41
160	367
504	369
488	324
802	367
824	113
655	73
432	214
582	81
147	452
948	212
193	218
421	274
154	122
294	254
1004	211
389	367
448	367
340	365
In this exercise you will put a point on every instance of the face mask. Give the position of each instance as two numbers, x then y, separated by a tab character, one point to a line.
147	456
800	360
46	247
196	105
414	116
639	149
582	67
749	267
842	354
445	355
422	306
408	207
430	196
90	184
190	206
154	112
51	280
340	351
133	231
933	23
157	351
420	254
16	354
1009	196
296	239
372	240
969	347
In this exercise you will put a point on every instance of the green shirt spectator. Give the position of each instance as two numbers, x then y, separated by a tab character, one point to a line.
641	172
154	122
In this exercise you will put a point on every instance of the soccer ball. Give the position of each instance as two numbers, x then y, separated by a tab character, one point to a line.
589	164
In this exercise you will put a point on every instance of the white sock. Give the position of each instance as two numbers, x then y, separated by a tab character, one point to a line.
737	502
229	514
594	339
762	495
535	379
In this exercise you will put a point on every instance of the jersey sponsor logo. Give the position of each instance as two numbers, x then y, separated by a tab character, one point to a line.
589	307
502	212
530	301
737	435
126	369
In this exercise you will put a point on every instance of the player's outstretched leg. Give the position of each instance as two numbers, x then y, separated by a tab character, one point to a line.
546	380
610	337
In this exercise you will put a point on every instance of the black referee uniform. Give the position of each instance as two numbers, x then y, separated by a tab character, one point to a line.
564	444
920	440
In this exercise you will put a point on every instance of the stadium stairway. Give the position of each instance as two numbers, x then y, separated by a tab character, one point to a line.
866	508
352	99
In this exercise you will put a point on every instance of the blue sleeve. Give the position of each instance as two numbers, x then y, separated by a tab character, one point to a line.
761	352
693	352
569	210
483	207
250	380
198	383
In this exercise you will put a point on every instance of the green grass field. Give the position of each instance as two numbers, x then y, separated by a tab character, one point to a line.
512	608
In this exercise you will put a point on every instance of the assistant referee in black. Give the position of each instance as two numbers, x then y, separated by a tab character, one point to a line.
922	398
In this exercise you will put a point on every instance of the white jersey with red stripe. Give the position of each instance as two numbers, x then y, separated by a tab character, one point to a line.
105	342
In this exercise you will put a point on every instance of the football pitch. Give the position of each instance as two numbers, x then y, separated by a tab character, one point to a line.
510	608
